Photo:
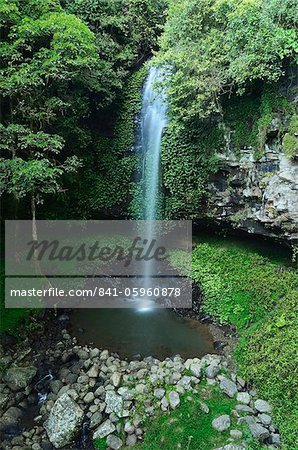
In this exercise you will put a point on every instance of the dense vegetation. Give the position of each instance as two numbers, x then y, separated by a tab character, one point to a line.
70	84
61	78
259	298
227	60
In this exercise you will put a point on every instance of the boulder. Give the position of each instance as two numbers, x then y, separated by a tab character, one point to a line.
221	423
19	377
64	422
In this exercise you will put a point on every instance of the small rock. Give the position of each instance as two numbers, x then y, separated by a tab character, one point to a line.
262	406
228	387
55	386
243	397
116	379
96	419
159	393
131	440
114	442
195	369
265	419
174	399
233	447
221	423
212	370
236	434
129	428
244	409
93	371
89	397
204	408
94	352
275	439
104	430
164	404
257	431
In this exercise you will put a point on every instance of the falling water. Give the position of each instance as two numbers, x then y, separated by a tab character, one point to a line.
152	122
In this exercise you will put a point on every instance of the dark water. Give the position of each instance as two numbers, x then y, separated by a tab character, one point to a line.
156	332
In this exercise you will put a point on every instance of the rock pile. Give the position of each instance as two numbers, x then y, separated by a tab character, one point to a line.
115	397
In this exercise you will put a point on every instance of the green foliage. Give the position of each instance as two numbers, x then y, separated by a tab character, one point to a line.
187	160
223	58
108	173
259	298
216	47
125	30
32	169
290	140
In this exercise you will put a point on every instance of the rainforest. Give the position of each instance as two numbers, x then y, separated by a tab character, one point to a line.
180	111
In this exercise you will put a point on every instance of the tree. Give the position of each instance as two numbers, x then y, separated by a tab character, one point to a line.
33	169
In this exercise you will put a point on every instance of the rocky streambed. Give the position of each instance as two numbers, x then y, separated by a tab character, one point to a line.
69	395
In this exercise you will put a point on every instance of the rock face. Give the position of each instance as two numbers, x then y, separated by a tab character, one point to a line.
19	377
258	196
64	422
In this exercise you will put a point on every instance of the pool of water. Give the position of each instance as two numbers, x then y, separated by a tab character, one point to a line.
156	332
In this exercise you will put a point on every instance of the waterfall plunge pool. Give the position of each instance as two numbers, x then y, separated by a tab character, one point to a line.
146	332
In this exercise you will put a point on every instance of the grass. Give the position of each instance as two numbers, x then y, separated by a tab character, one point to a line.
9	317
188	427
259	297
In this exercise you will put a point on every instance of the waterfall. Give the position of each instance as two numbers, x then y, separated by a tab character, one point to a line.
152	122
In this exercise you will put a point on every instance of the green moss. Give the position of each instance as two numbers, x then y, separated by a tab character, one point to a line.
240	115
188	158
290	140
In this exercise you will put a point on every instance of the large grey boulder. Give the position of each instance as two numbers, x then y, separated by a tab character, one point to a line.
64	422
221	423
228	387
19	377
